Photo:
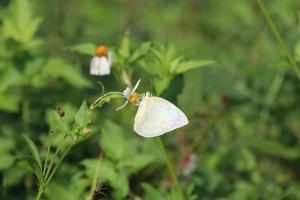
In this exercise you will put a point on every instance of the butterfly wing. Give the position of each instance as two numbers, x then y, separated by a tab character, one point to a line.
157	116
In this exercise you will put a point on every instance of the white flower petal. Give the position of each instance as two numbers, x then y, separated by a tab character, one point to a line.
100	66
104	66
94	67
127	92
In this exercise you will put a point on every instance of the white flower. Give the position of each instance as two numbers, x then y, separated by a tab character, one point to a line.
130	95
101	62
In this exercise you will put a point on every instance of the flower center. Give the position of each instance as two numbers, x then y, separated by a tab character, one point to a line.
101	50
133	98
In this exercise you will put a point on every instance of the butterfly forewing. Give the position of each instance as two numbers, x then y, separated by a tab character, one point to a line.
157	116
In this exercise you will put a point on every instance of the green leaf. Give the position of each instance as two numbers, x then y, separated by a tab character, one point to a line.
84	115
188	65
144	49
108	173
160	84
20	24
36	168
9	77
6	161
57	123
58	68
125	46
32	150
137	162
154	68
121	186
151	192
9	101
84	48
14	175
40	72
112	140
173	195
274	148
6	145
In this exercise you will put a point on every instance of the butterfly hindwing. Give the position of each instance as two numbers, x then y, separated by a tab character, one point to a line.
157	116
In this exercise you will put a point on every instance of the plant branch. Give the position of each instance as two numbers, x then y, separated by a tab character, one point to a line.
57	165
278	37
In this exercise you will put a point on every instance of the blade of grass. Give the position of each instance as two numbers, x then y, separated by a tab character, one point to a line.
278	37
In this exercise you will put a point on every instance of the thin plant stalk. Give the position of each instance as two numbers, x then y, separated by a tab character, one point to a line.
58	164
170	166
96	176
40	193
47	172
46	160
49	178
278	37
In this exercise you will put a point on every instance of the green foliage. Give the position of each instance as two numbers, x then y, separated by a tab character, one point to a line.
84	48
124	156
220	63
164	64
83	116
20	25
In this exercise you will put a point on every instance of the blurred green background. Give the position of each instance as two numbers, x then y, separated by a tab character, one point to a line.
243	139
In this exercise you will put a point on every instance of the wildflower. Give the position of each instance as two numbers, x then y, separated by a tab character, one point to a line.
130	95
101	62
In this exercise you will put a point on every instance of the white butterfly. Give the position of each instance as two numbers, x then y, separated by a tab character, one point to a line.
155	116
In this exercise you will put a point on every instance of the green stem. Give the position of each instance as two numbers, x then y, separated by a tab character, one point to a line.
106	96
278	37
46	160
96	175
170	166
52	162
57	165
40	193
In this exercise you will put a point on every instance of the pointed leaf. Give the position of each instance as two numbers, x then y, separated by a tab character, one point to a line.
137	54
33	150
185	66
84	115
274	148
6	161
36	168
151	192
112	140
125	46
84	48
